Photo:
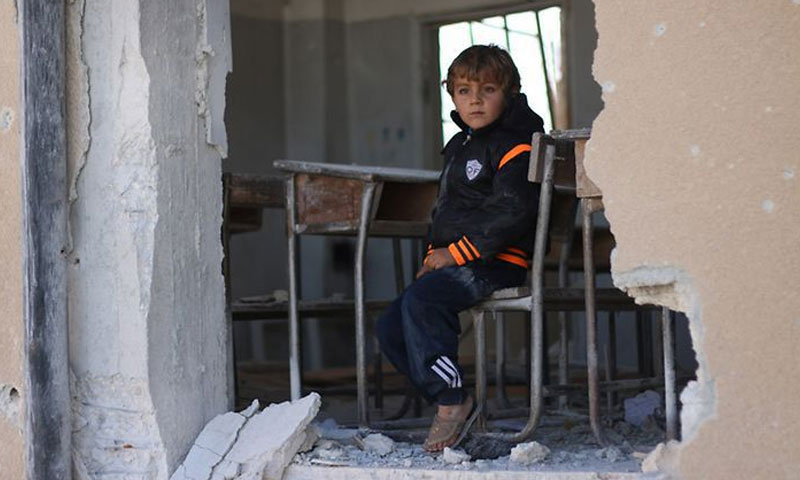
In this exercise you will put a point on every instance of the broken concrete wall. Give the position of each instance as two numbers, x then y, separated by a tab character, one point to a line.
148	336
696	154
11	325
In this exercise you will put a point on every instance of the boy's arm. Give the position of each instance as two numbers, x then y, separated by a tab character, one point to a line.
505	216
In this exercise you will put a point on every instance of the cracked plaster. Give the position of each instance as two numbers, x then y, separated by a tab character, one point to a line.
146	301
692	141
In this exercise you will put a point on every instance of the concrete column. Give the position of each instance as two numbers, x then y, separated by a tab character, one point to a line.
148	336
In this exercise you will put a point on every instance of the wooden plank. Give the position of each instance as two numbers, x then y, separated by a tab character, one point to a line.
564	174
325	199
585	186
573	134
266	191
44	189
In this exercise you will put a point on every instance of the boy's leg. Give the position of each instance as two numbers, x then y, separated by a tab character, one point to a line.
430	308
389	330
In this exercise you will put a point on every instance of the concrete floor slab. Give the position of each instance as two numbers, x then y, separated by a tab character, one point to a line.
314	472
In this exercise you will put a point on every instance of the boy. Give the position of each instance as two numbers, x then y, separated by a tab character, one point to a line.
480	237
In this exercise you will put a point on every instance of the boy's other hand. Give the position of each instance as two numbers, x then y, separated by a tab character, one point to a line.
438	258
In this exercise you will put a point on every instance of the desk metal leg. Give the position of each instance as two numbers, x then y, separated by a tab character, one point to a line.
611	359
294	327
361	248
669	374
588	207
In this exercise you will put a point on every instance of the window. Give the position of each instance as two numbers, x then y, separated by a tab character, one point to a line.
533	38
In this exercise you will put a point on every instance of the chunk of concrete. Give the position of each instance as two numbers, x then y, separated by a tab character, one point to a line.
529	453
271	438
213	443
312	435
454	456
379	444
250	445
638	408
664	458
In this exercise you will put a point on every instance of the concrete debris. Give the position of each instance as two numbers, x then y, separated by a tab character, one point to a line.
641	406
379	444
663	458
455	456
250	445
328	450
330	430
571	448
487	448
612	454
251	410
528	453
312	435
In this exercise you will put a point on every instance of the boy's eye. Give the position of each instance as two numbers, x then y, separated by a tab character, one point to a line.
489	89
463	91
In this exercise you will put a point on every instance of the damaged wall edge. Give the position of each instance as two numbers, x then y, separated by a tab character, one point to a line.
46	392
671	287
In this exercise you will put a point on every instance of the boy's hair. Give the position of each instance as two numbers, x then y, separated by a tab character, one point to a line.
484	63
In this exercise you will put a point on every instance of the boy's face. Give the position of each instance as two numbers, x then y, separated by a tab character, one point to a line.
478	103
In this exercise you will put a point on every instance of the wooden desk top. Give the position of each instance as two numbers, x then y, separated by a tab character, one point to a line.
359	172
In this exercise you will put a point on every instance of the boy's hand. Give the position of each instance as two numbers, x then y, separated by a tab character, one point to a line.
438	258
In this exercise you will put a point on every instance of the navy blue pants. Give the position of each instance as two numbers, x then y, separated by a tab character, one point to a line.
419	331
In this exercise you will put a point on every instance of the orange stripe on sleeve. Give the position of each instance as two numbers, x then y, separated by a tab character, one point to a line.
518	251
522	147
456	254
463	248
512	259
472	247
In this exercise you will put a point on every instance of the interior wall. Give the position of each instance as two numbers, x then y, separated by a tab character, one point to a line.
11	325
696	154
148	334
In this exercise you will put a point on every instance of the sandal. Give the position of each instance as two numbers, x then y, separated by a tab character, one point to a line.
446	432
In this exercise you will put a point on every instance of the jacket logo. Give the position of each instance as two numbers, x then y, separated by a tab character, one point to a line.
473	169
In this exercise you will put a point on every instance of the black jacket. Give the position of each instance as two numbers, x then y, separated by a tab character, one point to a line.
486	208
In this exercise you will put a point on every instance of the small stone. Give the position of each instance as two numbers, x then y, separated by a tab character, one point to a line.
454	456
612	454
379	444
327	449
407	463
528	453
